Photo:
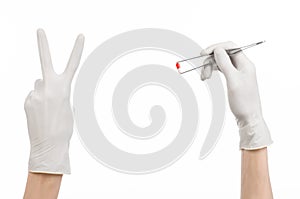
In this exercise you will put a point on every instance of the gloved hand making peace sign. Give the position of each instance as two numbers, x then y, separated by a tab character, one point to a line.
49	114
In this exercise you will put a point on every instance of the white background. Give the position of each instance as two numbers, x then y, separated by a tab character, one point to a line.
206	22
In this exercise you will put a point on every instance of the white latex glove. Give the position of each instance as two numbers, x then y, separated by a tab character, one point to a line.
243	95
49	114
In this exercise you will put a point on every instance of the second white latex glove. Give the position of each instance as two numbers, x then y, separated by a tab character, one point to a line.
243	95
49	114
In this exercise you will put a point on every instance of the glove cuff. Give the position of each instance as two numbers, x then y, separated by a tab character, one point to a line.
255	135
53	160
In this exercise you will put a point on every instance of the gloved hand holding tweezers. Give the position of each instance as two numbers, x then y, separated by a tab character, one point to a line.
243	93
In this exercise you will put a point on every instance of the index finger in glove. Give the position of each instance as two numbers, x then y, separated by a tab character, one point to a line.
239	60
75	57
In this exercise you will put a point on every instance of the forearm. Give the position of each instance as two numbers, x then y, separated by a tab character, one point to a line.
255	175
40	185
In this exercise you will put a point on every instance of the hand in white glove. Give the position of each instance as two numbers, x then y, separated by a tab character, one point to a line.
243	94
49	114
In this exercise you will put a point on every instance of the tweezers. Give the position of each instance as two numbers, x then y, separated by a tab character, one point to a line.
230	52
